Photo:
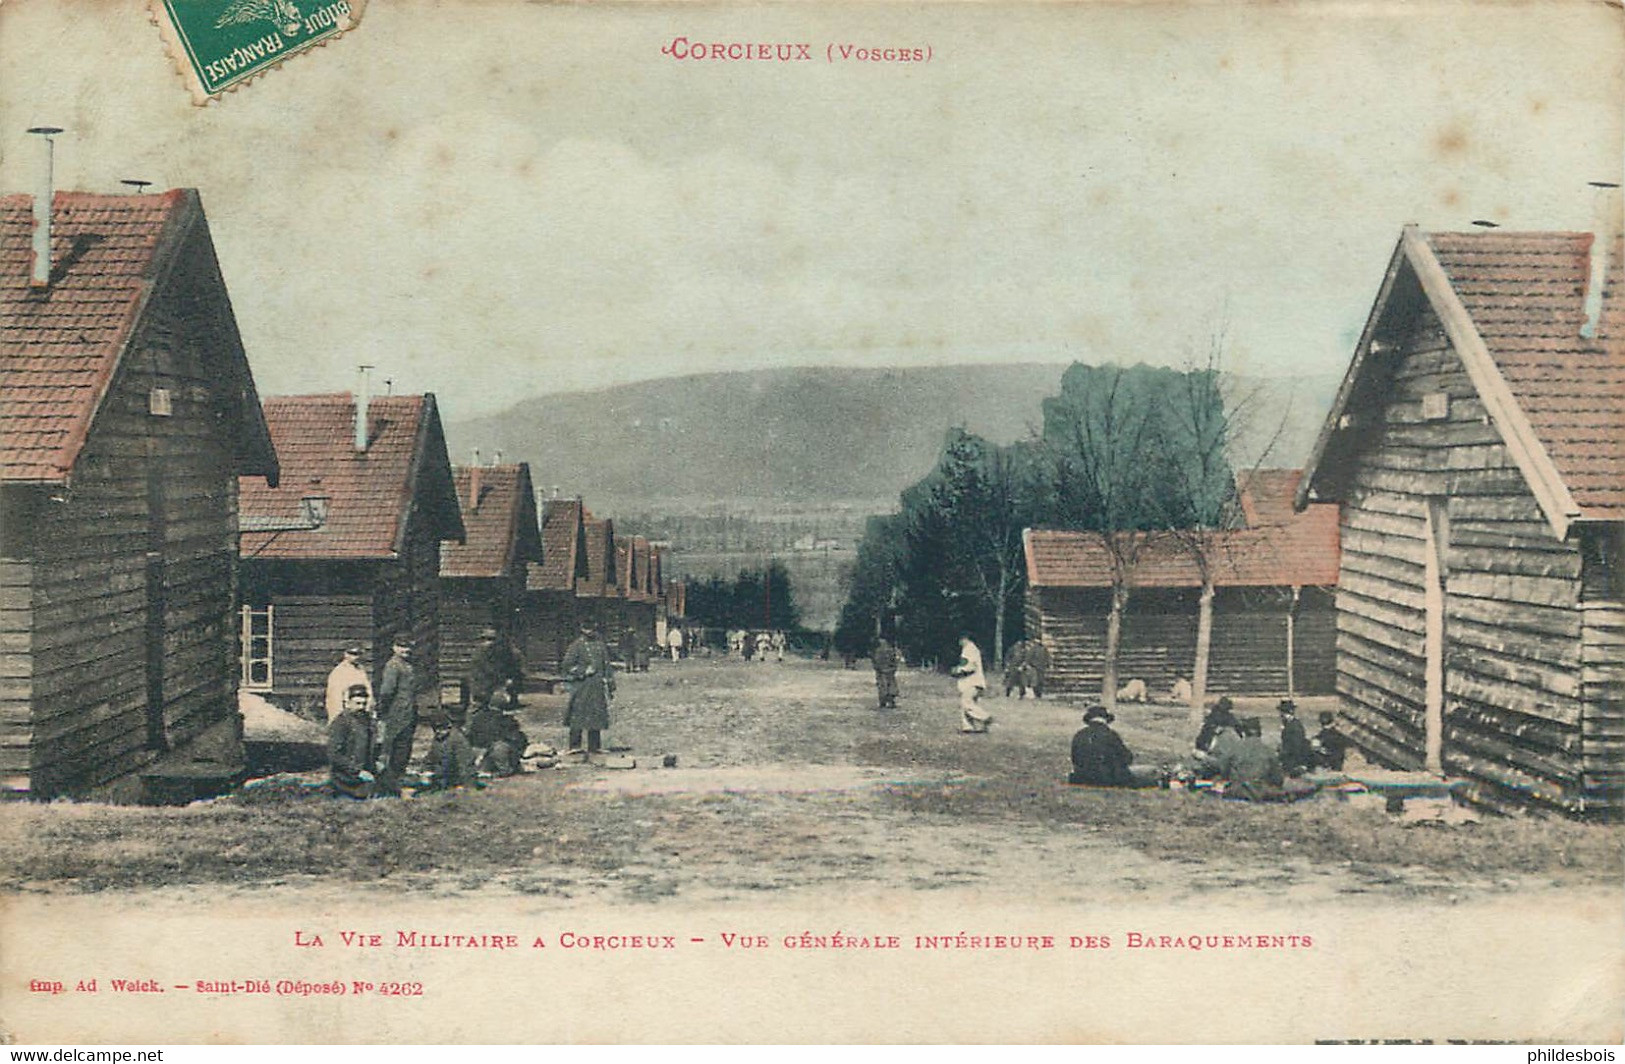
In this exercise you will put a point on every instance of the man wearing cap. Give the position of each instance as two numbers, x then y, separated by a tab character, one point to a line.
1329	744
349	746
397	712
1250	770
492	672
346	674
1297	756
1101	759
1221	717
451	757
592	684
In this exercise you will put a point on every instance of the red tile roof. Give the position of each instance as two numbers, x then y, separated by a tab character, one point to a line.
1525	293
1283	549
563	552
60	346
369	493
601	580
501	530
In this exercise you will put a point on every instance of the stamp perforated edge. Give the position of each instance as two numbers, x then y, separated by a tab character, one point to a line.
175	49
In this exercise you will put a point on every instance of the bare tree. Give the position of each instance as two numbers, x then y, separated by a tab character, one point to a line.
1099	434
1210	413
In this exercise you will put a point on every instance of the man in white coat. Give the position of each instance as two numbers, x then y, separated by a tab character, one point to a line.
347	673
972	683
674	641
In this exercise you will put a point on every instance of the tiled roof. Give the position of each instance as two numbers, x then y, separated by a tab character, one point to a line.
1284	549
1525	293
60	346
561	547
369	493
501	530
601	581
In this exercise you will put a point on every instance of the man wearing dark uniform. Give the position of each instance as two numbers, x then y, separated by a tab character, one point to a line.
350	746
451	758
1101	759
1297	756
1330	745
397	714
592	685
1037	665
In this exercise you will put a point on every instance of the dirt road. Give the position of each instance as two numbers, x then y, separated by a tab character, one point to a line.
789	783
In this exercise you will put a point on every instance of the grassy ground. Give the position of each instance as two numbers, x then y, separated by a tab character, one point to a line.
788	782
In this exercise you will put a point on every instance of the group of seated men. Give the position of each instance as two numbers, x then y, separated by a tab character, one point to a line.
485	740
1229	753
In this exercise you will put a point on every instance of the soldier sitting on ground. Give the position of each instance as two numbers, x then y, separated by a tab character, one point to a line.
1329	744
350	741
499	740
1101	759
451	758
1297	756
1133	691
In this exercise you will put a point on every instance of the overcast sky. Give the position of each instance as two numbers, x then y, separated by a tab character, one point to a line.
491	200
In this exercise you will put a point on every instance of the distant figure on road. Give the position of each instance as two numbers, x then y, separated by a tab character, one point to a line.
1100	758
397	714
350	745
346	674
747	645
674	642
779	643
884	658
1297	756
592	685
972	682
1038	662
764	643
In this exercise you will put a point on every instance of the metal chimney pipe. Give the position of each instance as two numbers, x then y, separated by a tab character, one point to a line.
40	275
361	399
474	482
1605	231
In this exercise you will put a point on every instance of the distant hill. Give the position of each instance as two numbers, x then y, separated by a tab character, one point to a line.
786	436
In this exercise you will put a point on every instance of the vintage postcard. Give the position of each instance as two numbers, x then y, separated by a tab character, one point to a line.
820	522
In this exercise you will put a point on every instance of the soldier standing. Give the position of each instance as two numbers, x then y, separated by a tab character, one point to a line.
397	714
592	685
884	658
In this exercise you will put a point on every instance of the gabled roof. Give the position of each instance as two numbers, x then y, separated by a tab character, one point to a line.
1282	549
601	580
61	346
564	548
1513	305
369	493
501	531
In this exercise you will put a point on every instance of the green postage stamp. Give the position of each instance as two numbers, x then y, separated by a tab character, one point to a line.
218	45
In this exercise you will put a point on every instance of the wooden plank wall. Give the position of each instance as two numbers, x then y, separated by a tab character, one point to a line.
309	635
164	485
1512	623
468	605
549	627
16	669
1603	725
1248	654
408	599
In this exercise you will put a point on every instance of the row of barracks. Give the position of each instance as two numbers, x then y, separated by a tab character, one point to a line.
167	539
1451	561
